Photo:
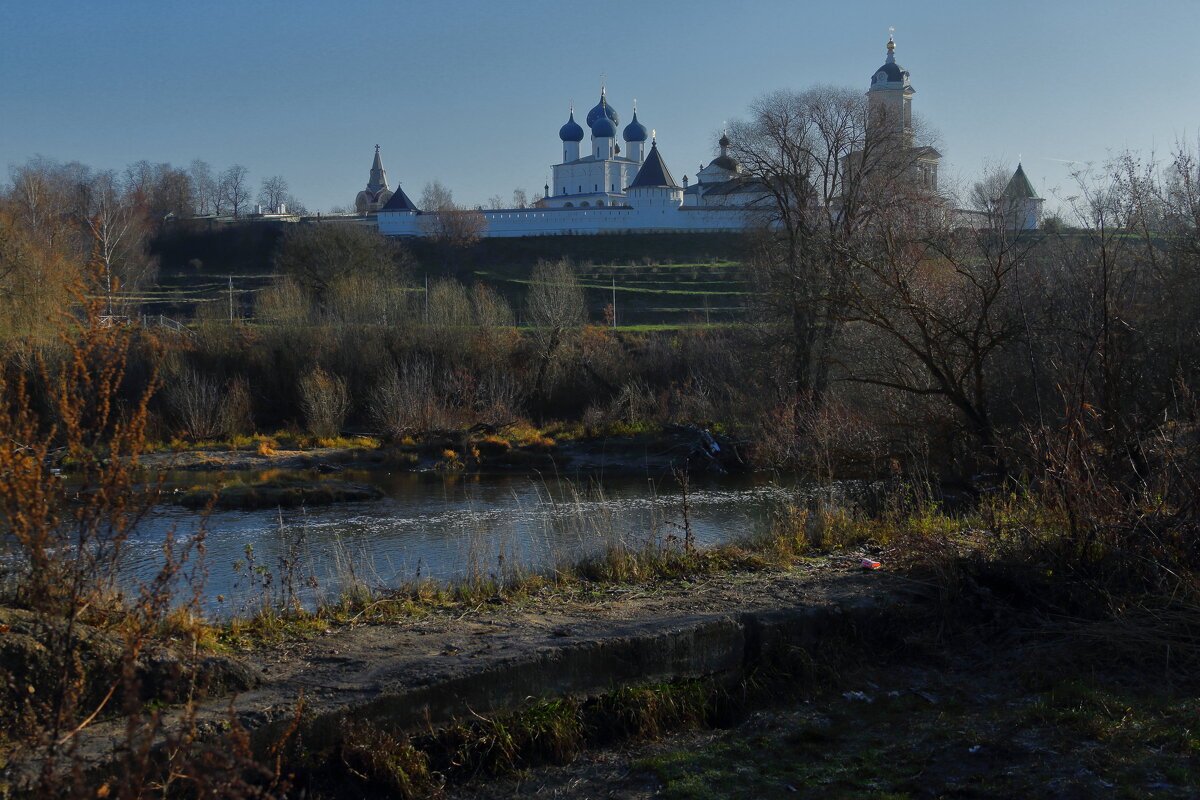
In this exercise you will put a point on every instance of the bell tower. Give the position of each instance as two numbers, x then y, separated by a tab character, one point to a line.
890	95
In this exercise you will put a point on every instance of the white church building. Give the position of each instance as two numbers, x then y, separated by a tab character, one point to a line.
610	189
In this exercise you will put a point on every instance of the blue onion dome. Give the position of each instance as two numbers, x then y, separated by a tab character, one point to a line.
602	109
604	127
571	132
635	131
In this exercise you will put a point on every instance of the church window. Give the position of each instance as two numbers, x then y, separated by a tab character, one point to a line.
568	205
581	190
595	187
584	204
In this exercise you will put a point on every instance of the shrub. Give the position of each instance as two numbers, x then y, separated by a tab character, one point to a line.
195	403
408	401
237	410
326	402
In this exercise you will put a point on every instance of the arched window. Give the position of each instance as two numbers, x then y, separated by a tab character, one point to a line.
584	204
568	205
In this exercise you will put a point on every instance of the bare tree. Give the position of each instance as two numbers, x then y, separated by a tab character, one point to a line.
295	205
204	186
447	223
158	190
172	193
436	196
273	194
556	311
410	399
826	167
317	256
120	232
932	310
234	189
519	198
194	400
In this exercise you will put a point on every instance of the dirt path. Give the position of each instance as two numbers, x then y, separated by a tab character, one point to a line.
361	662
430	668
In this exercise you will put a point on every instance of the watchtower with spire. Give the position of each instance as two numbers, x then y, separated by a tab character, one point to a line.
1019	204
377	193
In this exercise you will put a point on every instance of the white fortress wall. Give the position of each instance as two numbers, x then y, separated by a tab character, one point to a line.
560	221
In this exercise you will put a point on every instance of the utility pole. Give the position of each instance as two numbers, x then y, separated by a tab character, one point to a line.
614	297
230	299
427	298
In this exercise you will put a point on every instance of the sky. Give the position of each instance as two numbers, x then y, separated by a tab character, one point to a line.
472	93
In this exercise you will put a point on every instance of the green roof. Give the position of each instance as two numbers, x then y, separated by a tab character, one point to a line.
1019	186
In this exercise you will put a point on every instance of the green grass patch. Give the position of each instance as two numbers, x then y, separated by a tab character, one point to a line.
1081	738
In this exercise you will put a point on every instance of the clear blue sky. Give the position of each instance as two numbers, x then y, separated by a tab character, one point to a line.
473	93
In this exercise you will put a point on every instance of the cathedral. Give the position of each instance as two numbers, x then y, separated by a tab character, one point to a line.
610	188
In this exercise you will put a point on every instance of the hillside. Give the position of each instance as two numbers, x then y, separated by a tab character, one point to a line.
657	279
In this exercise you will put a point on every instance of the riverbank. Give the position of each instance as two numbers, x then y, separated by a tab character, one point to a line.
767	682
427	689
654	450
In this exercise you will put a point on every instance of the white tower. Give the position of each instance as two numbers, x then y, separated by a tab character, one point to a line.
604	136
635	138
653	185
571	135
890	95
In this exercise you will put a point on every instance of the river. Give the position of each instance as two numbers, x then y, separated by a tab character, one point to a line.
444	528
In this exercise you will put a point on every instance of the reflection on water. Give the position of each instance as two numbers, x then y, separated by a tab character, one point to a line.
445	528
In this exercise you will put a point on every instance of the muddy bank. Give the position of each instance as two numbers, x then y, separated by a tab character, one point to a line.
675	447
290	493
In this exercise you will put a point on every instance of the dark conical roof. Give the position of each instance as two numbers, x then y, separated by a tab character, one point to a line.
378	180
1019	186
400	202
654	172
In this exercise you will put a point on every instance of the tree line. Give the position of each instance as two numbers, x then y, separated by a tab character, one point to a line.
885	332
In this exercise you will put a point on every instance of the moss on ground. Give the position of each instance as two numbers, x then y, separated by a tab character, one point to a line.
1072	739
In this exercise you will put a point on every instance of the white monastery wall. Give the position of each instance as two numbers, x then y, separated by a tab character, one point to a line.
657	217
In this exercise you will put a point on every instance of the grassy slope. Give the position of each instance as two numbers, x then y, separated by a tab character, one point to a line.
662	279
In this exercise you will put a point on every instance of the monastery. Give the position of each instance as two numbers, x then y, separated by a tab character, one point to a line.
610	189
